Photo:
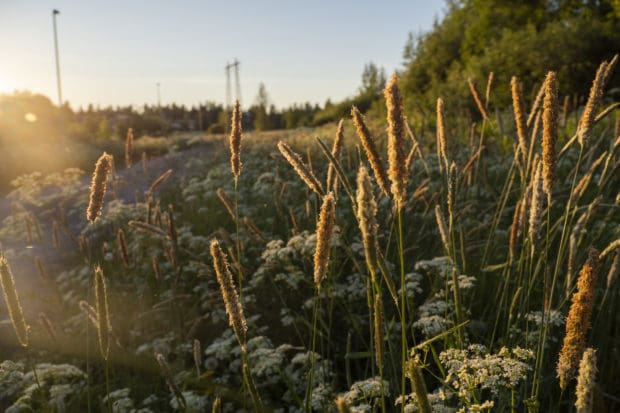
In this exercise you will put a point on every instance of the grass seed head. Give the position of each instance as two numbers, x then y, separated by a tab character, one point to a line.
476	94
98	187
518	106
235	140
578	320
586	122
336	149
234	309
550	134
376	164
586	382
13	304
366	216
324	231
441	134
396	140
129	148
302	170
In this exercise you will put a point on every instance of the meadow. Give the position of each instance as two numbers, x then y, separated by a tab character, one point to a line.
414	263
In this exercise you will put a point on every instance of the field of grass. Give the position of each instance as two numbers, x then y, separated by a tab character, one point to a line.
409	264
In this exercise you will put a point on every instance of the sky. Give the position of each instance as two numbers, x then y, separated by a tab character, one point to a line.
115	52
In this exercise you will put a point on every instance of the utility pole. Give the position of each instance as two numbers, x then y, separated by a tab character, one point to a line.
158	96
54	13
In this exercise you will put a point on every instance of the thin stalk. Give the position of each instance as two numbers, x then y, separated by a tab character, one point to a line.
107	385
403	311
238	240
311	373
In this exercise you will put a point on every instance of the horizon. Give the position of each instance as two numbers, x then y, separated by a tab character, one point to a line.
300	62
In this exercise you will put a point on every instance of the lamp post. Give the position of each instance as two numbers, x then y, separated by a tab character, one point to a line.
54	13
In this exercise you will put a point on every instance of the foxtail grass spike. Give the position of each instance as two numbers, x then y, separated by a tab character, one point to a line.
550	134
98	187
324	230
487	95
443	228
594	100
370	148
122	248
160	180
302	170
11	300
234	309
476	95
366	216
586	382
441	134
336	149
129	148
518	106
396	140
235	140
536	208
227	202
578	320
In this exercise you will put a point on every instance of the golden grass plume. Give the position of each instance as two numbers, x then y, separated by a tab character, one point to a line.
234	309
302	170
376	164
98	187
13	304
397	156
324	230
578	320
235	140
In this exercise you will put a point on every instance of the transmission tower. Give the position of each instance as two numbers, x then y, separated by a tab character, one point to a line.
235	64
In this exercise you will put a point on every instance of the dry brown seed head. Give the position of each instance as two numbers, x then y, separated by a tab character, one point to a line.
366	217
336	149
161	179
227	202
234	309
518	106
302	170
235	140
488	91
578	320
594	100
476	95
122	248
12	302
129	148
396	140
443	228
371	151
441	133
550	134
98	187
586	382
324	231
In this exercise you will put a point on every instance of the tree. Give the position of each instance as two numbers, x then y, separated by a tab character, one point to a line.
261	118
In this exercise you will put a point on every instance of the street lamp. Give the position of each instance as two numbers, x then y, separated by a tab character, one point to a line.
54	13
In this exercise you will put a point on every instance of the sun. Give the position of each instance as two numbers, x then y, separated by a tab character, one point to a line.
5	85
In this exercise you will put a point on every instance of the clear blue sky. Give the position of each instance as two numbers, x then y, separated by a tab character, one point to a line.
114	52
